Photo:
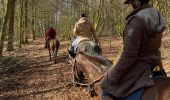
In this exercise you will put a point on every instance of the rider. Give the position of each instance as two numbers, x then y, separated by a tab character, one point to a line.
83	31
140	55
85	28
50	34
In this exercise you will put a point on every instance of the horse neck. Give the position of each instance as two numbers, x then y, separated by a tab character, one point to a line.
89	67
99	63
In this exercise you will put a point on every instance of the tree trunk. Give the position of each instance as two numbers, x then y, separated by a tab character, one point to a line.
26	22
4	27
21	33
11	26
33	19
99	15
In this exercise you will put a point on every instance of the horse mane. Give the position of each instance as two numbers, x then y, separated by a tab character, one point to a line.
97	58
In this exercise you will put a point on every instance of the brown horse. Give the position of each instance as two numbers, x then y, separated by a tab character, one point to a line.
53	45
89	69
93	68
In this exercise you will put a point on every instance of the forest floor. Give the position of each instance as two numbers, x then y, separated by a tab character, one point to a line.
27	74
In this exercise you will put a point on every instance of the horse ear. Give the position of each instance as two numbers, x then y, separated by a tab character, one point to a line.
72	54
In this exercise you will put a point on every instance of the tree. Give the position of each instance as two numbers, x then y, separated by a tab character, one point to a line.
4	27
11	25
33	18
26	21
21	24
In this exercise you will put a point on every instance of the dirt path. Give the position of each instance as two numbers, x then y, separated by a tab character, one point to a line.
29	75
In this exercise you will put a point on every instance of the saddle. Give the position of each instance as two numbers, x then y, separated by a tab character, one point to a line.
76	42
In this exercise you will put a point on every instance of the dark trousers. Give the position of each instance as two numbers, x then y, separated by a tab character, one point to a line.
107	96
137	95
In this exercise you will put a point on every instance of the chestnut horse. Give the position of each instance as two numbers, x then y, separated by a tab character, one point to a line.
93	68
53	45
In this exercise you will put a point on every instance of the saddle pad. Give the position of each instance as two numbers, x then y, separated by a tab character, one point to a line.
78	40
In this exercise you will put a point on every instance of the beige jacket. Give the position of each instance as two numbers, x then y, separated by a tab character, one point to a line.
84	28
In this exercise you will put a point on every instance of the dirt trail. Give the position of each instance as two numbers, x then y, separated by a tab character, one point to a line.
29	75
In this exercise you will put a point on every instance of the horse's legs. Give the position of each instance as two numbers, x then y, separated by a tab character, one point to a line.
49	52
48	47
55	55
55	51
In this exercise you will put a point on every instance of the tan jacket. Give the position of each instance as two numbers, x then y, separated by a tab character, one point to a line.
84	28
142	41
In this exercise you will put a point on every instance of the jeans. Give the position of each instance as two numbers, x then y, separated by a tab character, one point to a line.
137	95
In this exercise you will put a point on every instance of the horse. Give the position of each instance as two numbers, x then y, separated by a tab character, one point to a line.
83	44
89	69
53	45
93	68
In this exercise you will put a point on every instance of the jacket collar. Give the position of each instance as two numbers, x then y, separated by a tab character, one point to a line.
137	10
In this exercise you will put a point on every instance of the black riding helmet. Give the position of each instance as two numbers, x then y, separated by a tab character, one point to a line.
83	15
141	1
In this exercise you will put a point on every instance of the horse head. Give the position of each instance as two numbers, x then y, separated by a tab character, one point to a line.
88	70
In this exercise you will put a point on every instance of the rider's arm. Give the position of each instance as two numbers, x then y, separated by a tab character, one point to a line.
75	30
132	40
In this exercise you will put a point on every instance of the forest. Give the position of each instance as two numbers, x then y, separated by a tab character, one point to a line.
26	73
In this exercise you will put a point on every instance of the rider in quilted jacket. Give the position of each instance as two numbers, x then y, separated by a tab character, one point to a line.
140	53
